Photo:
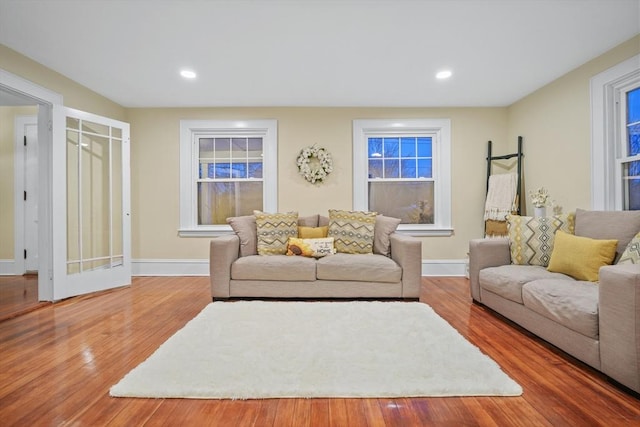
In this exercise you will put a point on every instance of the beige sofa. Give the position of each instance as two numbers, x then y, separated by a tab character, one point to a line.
596	322
234	275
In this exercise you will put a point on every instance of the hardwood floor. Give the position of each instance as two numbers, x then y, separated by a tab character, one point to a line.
57	364
18	295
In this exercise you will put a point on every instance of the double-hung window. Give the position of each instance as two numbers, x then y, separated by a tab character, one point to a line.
615	137
402	169
630	147
227	168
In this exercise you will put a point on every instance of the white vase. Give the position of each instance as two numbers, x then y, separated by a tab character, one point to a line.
540	212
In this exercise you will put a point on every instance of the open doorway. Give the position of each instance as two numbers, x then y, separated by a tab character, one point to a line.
19	232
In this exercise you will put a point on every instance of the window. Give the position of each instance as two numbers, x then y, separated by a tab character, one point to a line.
630	159
615	139
402	169
227	168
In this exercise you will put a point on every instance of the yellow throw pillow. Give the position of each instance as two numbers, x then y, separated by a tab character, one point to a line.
353	231
273	231
315	248
581	257
312	232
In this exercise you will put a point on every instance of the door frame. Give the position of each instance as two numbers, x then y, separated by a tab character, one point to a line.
50	128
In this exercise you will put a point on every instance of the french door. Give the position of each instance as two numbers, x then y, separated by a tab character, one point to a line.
91	203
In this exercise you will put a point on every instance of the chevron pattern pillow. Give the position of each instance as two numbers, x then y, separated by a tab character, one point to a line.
531	239
353	231
631	254
274	230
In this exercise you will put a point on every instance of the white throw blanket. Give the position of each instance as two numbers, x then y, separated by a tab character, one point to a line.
501	196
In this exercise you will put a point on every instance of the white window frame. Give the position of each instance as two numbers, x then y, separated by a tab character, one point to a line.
440	131
190	131
607	132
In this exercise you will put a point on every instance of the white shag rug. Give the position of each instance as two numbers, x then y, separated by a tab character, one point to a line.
261	349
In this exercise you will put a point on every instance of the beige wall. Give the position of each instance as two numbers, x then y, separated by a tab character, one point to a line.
75	95
555	122
7	170
155	169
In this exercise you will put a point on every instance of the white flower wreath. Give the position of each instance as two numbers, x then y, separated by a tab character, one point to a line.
314	163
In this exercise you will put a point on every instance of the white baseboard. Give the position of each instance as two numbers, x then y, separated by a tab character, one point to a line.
200	267
445	267
170	267
7	267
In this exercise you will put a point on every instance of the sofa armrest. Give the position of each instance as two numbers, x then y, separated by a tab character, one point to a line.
223	251
484	253
619	323
407	252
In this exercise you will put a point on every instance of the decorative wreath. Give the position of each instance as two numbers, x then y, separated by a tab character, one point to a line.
314	163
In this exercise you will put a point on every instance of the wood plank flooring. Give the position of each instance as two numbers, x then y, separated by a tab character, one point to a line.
57	364
18	295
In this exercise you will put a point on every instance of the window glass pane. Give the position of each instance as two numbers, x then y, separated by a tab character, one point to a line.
425	168
631	184
424	147
408	168
375	147
634	139
633	106
408	147
239	170
239	148
375	168
254	147
222	148
255	169
391	147
222	170
412	202
205	148
391	169
219	200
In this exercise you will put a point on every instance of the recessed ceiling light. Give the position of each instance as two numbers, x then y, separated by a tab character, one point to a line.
188	74
445	74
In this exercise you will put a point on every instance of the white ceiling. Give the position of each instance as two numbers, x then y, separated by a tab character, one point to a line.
315	53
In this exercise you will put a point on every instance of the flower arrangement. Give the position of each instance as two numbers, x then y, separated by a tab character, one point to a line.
539	198
314	163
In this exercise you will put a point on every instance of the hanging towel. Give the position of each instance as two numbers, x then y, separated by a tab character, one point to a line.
501	196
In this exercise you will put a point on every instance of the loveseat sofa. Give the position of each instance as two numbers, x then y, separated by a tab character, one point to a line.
392	270
598	322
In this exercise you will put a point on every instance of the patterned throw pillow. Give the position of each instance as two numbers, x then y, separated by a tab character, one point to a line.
531	239
353	231
631	254
316	248
274	231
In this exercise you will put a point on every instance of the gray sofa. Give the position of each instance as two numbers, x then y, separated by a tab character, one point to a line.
235	275
596	322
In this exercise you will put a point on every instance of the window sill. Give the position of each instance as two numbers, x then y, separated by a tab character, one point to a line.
424	232
208	232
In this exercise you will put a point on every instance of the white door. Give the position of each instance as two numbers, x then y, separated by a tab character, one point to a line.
31	197
94	251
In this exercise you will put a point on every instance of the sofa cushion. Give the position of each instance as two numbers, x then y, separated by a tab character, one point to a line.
385	225
353	231
631	254
312	232
531	239
275	267
507	280
358	267
573	304
314	248
245	229
581	257
619	225
274	230
308	221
